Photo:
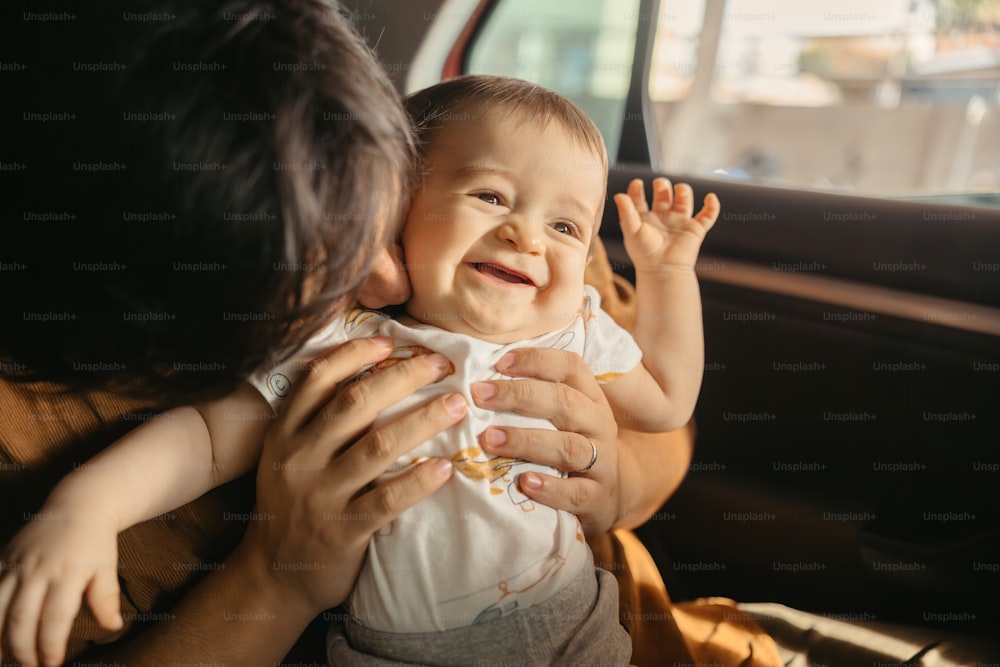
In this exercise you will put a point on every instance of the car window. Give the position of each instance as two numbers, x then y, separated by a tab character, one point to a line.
879	97
580	48
889	98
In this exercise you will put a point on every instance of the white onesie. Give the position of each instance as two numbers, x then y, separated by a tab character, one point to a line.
478	548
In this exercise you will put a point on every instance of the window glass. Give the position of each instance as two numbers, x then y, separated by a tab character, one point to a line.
675	50
580	48
883	97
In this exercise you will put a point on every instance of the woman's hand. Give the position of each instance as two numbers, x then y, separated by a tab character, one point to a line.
316	508
565	392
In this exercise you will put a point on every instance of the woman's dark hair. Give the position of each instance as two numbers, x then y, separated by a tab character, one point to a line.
198	184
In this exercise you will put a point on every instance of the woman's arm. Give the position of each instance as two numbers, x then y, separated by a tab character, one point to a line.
650	468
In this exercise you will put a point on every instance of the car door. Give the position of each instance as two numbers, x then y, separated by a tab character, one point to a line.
846	457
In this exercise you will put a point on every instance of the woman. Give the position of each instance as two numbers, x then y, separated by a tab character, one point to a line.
203	183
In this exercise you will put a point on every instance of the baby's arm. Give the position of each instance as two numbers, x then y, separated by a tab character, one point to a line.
70	547
169	461
663	244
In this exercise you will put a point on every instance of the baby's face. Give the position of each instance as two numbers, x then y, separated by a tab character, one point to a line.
497	237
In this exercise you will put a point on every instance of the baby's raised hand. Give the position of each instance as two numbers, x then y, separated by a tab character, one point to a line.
668	234
48	566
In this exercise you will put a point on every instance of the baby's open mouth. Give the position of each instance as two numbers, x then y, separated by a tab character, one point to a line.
502	273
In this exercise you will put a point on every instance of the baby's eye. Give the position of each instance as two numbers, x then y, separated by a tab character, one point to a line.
564	228
490	198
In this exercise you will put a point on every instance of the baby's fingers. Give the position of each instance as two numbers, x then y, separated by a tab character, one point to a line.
8	584
21	622
683	199
665	199
104	598
709	213
628	217
62	604
637	194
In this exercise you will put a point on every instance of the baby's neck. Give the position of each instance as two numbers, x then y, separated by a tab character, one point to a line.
404	315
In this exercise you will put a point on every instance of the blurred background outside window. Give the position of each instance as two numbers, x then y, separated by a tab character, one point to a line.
580	48
895	98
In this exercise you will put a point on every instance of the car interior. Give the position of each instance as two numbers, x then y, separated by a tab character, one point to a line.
843	489
845	463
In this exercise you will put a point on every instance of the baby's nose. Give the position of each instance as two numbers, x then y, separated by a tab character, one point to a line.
523	237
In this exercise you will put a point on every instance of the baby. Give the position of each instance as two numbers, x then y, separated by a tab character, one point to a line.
497	238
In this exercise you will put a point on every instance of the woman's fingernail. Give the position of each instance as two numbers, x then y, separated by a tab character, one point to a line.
384	342
531	481
455	404
506	361
442	468
484	390
440	362
494	437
